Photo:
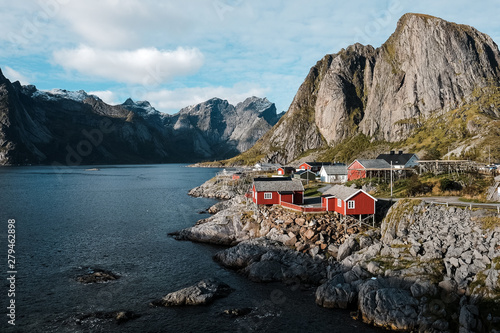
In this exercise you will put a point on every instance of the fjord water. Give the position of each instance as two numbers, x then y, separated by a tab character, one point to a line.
72	220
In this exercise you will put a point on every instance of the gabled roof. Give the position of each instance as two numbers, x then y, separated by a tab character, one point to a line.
335	169
396	159
344	193
372	164
277	185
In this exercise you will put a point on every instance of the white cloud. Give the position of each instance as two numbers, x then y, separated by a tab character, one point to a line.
107	96
171	101
14	75
146	66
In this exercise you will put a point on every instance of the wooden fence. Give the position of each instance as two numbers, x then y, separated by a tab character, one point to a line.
305	209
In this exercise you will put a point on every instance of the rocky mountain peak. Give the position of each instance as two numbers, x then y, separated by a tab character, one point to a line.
42	127
427	67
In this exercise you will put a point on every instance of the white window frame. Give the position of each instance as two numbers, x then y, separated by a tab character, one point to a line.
268	195
339	202
351	204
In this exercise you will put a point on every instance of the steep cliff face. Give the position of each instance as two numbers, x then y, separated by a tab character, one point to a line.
72	128
427	67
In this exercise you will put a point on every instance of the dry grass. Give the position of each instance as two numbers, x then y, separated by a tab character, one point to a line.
490	222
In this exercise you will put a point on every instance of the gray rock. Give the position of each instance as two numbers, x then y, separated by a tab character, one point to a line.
348	247
454	262
355	274
263	260
448	286
333	250
387	307
203	292
467	319
336	295
423	288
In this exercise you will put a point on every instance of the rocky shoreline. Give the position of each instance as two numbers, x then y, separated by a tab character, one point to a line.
426	268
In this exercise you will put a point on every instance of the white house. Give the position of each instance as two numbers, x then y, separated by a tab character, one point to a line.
333	173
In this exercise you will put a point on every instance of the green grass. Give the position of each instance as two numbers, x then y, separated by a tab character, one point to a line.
311	190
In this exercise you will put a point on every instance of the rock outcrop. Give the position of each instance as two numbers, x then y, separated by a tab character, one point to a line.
430	267
204	292
264	260
427	67
97	276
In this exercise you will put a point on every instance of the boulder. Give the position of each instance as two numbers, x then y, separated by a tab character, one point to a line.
390	308
97	276
347	248
336	294
203	292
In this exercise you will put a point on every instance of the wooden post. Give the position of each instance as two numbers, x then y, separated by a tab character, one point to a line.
360	220
373	221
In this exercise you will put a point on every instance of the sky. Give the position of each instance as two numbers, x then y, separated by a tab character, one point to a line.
177	53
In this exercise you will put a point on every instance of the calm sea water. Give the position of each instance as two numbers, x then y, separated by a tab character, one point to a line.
71	220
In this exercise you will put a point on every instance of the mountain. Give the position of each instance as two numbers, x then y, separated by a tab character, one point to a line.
363	95
71	128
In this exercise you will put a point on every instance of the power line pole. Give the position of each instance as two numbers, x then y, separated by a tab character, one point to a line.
489	155
391	180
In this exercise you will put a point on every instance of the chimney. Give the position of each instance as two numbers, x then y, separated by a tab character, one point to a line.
392	152
400	152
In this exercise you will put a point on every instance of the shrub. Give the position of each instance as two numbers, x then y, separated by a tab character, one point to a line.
446	184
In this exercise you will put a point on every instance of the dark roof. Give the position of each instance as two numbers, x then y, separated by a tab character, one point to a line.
317	164
335	169
287	168
396	159
374	164
343	192
281	185
301	172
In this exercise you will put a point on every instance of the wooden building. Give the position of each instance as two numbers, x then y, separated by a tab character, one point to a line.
333	173
274	191
366	168
348	201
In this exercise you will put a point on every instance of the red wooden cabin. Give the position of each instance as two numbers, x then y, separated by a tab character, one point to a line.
348	201
273	191
358	169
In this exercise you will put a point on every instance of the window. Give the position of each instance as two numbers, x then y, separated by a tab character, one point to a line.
350	204
339	202
268	195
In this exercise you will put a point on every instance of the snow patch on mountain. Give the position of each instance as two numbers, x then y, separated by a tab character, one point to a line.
58	94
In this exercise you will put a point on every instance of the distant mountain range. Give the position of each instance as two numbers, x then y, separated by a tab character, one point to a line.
74	128
432	88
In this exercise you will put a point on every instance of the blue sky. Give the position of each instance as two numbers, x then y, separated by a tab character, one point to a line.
182	52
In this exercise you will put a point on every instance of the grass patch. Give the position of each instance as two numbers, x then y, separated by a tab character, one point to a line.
490	223
311	190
